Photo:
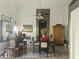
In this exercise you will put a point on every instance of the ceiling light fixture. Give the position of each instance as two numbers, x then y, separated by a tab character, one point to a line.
39	14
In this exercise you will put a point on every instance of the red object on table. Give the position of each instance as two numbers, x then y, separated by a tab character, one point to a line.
44	38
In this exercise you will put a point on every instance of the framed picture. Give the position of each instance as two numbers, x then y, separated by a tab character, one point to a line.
27	28
43	44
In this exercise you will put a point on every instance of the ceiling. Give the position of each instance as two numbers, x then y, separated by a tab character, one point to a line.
42	3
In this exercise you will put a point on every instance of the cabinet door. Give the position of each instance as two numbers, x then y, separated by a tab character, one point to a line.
56	35
59	35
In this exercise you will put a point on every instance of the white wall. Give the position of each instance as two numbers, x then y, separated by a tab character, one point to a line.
27	17
7	8
74	34
58	12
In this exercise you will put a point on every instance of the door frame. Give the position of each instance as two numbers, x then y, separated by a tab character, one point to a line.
74	4
37	24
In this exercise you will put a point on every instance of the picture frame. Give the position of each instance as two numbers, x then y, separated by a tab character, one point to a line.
43	44
27	28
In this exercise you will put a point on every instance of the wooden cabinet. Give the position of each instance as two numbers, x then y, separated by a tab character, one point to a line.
58	31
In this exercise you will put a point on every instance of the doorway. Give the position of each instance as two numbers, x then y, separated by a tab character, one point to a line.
42	26
74	34
43	22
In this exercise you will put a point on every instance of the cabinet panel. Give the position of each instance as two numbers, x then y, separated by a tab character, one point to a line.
58	31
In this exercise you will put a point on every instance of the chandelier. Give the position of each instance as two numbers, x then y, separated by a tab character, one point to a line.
39	14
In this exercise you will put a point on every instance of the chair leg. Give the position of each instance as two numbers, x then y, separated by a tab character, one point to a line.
54	50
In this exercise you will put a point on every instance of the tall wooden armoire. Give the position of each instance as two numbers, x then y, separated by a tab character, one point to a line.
59	31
